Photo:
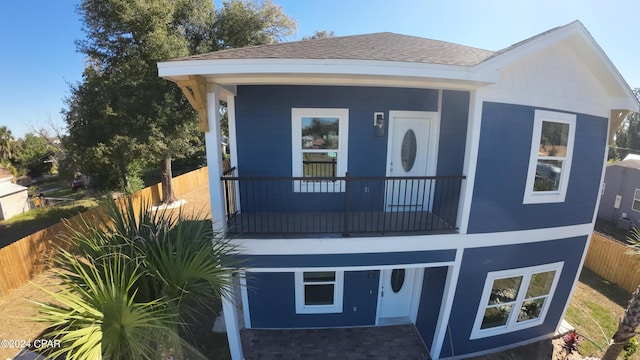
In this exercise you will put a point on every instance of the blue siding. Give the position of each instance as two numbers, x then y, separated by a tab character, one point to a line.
430	302
477	262
503	160
263	123
334	260
451	147
272	301
263	129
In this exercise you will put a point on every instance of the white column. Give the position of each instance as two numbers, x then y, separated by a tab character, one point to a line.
213	143
231	323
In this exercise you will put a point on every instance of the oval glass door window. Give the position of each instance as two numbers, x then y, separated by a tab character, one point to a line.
397	280
408	150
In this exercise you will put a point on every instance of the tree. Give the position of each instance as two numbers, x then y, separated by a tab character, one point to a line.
320	34
133	282
33	156
628	326
122	109
6	143
627	136
242	23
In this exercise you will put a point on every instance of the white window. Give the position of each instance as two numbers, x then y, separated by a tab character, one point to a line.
319	292
550	158
319	148
636	201
515	299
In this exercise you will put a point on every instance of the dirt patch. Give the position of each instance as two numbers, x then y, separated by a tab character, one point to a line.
17	311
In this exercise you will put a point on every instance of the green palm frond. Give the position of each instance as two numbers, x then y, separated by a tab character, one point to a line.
131	279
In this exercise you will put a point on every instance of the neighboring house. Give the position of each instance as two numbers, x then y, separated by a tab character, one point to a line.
620	202
465	187
13	198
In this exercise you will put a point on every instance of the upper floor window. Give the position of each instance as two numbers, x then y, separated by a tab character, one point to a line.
515	299
550	158
319	148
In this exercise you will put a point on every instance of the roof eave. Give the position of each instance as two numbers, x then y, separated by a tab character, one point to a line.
324	71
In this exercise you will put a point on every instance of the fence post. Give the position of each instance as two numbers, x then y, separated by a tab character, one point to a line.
345	227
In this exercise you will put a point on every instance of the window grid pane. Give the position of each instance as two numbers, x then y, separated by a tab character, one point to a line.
316	295
319	276
553	139
531	309
496	316
320	133
540	284
505	290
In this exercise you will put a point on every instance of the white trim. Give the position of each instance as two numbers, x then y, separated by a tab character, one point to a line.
538	197
213	147
418	278
450	287
294	246
245	299
233	144
512	324
342	152
338	292
322	67
231	323
470	160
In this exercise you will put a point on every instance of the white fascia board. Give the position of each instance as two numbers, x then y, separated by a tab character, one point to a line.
311	67
293	246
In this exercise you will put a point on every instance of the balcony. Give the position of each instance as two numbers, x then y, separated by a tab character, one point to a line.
341	206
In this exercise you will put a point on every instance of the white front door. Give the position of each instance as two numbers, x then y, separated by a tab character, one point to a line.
411	151
396	295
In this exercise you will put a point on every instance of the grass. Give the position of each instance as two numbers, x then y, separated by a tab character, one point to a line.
31	221
595	309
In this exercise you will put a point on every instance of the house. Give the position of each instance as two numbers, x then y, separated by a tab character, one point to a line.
620	200
454	188
13	197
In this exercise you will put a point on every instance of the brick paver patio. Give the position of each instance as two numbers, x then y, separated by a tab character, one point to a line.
381	343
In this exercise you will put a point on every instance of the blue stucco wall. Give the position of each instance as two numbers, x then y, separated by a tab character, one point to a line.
263	129
430	302
477	262
503	160
272	301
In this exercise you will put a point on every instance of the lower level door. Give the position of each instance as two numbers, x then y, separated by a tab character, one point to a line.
395	297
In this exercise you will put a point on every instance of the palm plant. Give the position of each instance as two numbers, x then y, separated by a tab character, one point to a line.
6	142
132	281
627	328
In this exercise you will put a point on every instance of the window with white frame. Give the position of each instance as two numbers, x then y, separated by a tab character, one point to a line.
515	299
319	148
550	158
636	200
319	292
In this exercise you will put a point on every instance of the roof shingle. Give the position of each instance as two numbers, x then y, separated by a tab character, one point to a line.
379	46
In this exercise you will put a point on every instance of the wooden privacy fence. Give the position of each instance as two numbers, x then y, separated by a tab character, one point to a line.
608	258
27	257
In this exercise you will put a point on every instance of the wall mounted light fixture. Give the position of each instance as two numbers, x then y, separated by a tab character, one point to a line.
378	123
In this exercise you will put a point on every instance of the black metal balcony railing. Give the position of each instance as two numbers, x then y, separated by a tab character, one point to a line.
341	205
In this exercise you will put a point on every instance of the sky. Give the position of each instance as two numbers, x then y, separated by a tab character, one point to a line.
38	58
